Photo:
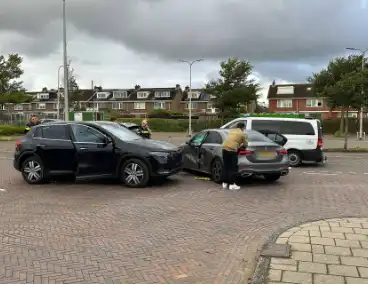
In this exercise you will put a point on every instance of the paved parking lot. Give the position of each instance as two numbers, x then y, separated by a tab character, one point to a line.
185	231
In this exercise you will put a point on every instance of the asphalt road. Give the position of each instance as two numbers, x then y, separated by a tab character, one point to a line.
184	231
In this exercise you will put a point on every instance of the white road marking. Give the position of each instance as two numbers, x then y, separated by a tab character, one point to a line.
321	174
352	173
1	189
6	158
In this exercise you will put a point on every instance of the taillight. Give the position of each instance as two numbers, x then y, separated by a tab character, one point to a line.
319	142
282	151
245	153
17	145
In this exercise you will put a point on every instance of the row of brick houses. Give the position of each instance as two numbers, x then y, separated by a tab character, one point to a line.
135	101
299	98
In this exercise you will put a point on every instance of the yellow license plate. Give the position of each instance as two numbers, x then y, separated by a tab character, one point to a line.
266	155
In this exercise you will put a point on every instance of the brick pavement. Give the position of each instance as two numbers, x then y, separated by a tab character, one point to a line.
328	251
185	231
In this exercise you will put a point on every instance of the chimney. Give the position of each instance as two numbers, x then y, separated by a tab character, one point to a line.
273	83
137	87
187	88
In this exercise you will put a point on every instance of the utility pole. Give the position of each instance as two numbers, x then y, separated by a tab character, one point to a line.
190	63
66	77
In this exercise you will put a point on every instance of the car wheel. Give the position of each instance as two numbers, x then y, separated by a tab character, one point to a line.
294	158
217	171
33	170
272	177
135	173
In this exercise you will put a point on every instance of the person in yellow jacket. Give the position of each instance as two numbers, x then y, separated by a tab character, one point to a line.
235	139
32	122
144	130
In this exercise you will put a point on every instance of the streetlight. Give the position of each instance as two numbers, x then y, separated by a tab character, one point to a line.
66	95
58	90
190	63
361	108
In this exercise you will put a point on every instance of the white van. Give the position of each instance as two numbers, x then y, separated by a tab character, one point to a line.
304	136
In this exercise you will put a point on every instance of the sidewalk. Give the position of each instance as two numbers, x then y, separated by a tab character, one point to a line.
329	251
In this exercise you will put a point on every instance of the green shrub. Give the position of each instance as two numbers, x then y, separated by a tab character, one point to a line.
8	130
175	125
338	133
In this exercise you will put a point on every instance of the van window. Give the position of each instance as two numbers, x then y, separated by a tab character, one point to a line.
234	124
284	127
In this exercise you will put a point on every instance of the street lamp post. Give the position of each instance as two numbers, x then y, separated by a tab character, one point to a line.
58	93
363	52
66	95
190	63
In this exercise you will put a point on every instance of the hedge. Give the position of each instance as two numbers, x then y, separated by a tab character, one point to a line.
8	130
330	126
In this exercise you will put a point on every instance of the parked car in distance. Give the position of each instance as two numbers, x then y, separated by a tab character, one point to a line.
131	126
203	153
48	120
93	150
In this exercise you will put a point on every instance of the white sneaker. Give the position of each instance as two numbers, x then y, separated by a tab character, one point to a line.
224	185
234	187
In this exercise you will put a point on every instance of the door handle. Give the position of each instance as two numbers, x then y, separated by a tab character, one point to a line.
42	146
83	149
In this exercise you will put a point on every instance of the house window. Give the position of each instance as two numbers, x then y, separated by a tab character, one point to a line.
164	94
41	106
159	105
284	103
18	107
314	103
103	95
120	94
309	89
285	90
142	95
43	96
194	95
117	105
139	105
209	105
194	105
2	107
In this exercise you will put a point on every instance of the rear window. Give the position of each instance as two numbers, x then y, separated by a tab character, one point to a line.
284	127
58	132
255	136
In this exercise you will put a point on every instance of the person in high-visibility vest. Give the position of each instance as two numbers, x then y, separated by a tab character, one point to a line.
32	122
144	130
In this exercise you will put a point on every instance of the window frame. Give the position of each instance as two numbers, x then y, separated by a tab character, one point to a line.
281	103
187	105
119	105
41	127
17	108
139	103
215	133
161	103
88	127
308	103
39	104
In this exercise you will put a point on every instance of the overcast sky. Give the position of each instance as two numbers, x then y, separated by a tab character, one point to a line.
121	43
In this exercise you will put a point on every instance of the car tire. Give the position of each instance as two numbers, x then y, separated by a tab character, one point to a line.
134	173
33	171
217	171
272	177
295	158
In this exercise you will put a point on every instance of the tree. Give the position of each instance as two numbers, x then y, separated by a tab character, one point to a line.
325	80
234	88
344	85
75	94
11	89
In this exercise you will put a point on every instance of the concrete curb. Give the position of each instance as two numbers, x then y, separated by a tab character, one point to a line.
261	271
338	150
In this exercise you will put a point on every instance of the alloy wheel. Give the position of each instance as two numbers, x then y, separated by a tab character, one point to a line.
33	171
133	174
294	159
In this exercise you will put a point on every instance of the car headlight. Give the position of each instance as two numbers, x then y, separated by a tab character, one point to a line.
161	157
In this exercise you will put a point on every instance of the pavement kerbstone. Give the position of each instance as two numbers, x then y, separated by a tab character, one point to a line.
326	252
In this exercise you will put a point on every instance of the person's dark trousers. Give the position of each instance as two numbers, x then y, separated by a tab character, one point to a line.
230	159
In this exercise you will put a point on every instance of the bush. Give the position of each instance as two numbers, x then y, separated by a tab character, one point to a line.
159	113
339	134
175	125
8	130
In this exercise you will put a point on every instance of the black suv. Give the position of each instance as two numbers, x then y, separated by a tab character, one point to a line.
94	150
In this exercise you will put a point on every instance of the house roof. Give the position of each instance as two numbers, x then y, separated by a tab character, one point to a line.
300	91
202	97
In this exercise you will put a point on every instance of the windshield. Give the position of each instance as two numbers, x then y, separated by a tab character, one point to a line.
120	131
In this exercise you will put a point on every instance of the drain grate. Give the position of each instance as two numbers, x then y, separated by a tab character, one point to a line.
277	250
